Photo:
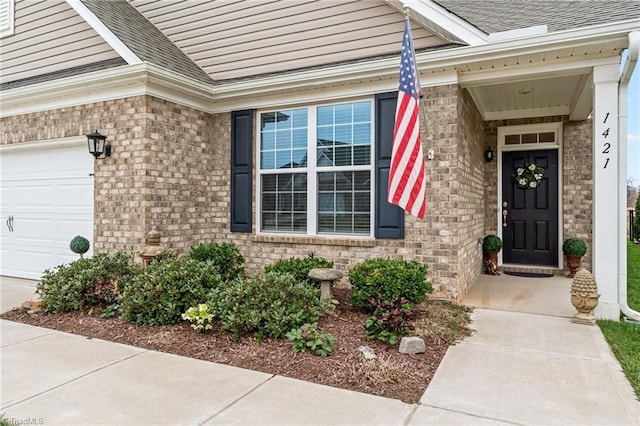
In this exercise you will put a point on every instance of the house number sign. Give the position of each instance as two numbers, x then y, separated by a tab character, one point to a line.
606	146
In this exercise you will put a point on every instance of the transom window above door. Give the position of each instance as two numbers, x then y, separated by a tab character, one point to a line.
530	136
315	169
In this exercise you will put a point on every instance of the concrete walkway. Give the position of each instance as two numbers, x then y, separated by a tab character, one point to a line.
518	368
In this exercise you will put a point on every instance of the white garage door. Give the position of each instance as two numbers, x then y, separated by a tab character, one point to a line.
46	199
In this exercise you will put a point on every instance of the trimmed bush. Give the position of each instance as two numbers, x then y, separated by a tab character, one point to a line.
269	305
299	267
491	244
226	257
388	280
72	287
574	247
79	245
165	289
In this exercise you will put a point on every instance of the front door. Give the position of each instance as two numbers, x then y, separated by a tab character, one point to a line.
529	212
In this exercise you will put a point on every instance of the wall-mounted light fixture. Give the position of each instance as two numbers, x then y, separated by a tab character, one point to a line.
489	155
98	146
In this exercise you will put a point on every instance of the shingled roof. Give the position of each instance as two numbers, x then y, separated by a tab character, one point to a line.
143	38
493	16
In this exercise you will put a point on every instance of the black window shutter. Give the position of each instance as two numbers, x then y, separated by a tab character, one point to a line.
389	221
241	170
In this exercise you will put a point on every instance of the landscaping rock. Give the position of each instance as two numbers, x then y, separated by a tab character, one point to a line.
412	345
367	352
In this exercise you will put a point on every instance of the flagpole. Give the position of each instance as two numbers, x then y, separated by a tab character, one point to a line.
422	112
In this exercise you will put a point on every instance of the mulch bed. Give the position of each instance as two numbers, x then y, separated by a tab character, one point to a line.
391	374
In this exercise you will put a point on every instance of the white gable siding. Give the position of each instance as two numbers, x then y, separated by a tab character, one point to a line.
49	36
237	39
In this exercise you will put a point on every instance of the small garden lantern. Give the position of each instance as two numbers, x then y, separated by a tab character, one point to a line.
98	146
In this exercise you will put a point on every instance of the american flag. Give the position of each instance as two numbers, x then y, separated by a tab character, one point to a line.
406	175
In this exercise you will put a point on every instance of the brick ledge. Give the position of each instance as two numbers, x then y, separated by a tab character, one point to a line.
314	240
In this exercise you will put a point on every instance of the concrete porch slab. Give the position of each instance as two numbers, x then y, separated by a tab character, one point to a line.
544	296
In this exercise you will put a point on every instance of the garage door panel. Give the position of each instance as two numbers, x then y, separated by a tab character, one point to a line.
49	194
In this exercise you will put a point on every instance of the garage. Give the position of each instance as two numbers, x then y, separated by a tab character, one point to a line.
46	198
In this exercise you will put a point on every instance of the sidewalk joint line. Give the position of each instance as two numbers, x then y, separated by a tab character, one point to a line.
477	416
235	401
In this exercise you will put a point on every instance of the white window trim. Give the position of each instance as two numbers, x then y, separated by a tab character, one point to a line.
9	28
312	172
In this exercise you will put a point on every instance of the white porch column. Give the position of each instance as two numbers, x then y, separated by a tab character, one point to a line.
605	193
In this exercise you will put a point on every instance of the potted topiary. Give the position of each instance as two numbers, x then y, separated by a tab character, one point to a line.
573	249
79	245
491	246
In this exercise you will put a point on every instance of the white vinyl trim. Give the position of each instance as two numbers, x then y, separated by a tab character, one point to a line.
7	18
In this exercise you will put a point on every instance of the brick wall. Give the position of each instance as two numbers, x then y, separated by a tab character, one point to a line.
170	169
471	202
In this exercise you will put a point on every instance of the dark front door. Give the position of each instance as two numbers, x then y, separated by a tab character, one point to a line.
530	227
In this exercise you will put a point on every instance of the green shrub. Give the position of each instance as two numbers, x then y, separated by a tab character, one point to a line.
574	247
388	280
165	289
226	257
79	245
299	267
390	320
309	337
268	305
73	286
491	244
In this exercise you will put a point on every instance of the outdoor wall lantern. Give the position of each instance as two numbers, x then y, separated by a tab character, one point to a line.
488	155
98	146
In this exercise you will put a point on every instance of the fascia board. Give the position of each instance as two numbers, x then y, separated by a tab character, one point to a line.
561	68
444	23
523	46
104	32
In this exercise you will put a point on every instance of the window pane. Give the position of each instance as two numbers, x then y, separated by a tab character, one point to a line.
268	160
283	159
283	120
283	139
343	156
300	138
284	202
362	111
512	140
325	115
325	136
530	138
547	137
299	158
350	202
325	157
343	113
300	118
362	134
269	183
361	155
268	141
343	134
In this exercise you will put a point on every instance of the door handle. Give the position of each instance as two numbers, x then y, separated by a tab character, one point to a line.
10	223
505	212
